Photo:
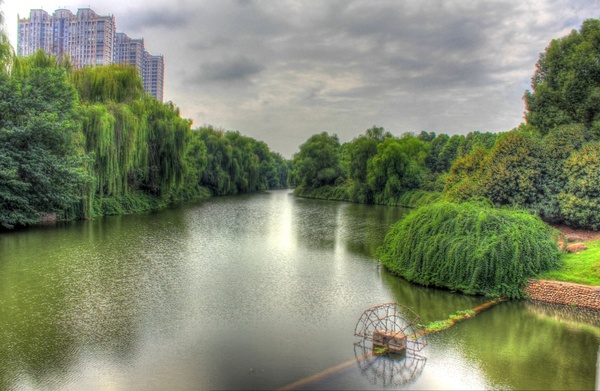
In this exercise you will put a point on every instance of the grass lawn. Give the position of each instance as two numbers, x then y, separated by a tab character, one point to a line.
581	268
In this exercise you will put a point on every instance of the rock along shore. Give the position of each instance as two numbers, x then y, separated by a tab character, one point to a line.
564	293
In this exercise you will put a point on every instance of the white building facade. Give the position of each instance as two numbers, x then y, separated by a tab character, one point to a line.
153	75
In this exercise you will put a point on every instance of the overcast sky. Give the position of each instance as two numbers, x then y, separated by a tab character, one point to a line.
282	70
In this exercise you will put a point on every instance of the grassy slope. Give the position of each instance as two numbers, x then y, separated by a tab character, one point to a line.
581	268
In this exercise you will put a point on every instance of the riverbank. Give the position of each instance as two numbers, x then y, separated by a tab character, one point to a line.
574	282
564	293
563	287
409	199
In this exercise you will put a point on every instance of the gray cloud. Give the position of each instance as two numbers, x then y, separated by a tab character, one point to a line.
166	18
280	71
235	69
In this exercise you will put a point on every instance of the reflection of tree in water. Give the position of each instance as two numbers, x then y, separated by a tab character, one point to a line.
395	321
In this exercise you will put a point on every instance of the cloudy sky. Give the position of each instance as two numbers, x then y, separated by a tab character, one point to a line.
282	70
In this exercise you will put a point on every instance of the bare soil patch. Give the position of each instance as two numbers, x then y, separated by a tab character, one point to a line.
586	235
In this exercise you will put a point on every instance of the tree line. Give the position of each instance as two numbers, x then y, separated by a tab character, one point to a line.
89	142
548	165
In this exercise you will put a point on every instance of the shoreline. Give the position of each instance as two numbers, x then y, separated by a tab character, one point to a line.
564	293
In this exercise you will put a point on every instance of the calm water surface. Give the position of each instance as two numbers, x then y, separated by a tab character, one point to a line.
251	292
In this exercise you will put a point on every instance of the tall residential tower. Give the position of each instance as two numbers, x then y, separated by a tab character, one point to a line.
88	39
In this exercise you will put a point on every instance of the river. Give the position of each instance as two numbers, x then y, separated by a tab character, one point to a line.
252	292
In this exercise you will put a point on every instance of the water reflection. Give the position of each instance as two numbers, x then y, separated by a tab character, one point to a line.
366	225
430	303
510	340
389	369
576	316
249	292
78	293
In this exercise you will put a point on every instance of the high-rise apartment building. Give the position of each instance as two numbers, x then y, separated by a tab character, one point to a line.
153	75
35	34
88	39
129	51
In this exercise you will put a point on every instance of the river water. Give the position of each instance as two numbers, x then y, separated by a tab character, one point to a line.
253	292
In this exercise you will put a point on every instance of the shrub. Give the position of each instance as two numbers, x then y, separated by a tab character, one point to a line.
334	193
416	198
513	175
470	247
558	145
580	199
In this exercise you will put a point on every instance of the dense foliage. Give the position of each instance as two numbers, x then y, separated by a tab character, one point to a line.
470	247
579	200
122	151
318	162
238	164
531	172
89	142
379	168
40	167
566	83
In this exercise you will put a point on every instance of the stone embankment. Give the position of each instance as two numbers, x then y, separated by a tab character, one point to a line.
564	293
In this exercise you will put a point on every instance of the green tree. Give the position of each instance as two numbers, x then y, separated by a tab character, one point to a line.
449	153
281	169
557	147
465	180
426	137
195	160
513	175
436	146
39	158
219	154
398	166
580	198
356	156
7	53
239	164
566	83
475	140
318	161
109	83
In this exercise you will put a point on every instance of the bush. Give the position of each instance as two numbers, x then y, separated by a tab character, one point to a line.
333	193
580	199
558	145
513	175
416	198
470	247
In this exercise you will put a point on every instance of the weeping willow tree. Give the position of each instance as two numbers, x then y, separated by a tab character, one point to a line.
167	139
118	141
7	53
238	164
122	151
470	247
137	144
109	83
21	67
